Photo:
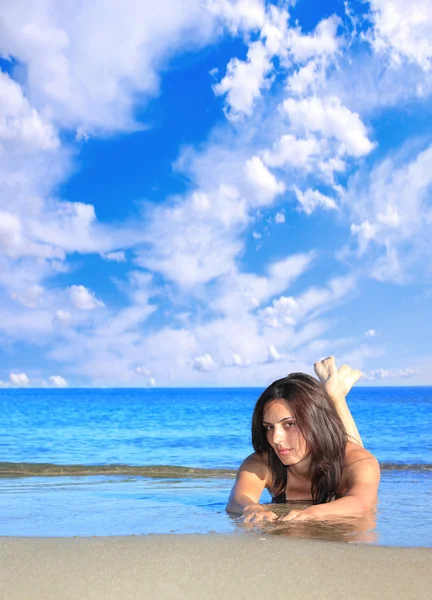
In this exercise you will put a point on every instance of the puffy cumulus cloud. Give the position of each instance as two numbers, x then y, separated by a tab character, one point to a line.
19	380
83	299
239	15
323	41
377	374
57	381
370	333
238	361
310	199
232	330
279	218
244	81
204	363
332	119
390	210
265	183
194	244
72	59
281	312
403	34
295	152
20	123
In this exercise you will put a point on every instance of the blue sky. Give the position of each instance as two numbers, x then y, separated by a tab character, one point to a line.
214	193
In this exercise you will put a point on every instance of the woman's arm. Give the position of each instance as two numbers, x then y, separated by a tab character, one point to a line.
250	483
362	487
338	383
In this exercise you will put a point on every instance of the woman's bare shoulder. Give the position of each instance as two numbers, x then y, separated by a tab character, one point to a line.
256	463
354	452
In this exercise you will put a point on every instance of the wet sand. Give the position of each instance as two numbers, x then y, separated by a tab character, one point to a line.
209	567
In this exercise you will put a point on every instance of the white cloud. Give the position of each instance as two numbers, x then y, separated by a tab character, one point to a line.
143	371
195	244
273	355
292	151
389	207
239	15
289	311
241	292
73	67
30	297
403	34
20	123
204	363
329	117
265	183
57	381
238	361
63	316
118	256
196	240
370	333
84	299
19	379
280	314
244	81
322	41
15	243
280	218
311	199
391	374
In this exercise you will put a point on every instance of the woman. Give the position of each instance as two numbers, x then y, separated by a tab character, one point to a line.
307	448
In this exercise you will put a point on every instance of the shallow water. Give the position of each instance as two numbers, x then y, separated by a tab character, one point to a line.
119	505
85	462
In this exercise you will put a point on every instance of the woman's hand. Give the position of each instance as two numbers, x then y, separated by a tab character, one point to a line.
256	513
298	515
337	382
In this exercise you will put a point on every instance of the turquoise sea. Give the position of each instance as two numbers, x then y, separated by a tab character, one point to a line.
84	462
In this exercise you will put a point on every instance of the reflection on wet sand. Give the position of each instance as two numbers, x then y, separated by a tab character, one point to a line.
342	529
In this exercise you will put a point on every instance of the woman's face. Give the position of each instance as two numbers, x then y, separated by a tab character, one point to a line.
283	434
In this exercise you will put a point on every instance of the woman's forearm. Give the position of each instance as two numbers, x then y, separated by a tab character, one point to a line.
343	507
344	413
237	505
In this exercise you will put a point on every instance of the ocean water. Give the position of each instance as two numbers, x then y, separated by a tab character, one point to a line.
123	462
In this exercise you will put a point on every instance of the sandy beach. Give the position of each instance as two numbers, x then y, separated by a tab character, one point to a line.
210	566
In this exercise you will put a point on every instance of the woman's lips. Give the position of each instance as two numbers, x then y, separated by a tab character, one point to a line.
284	451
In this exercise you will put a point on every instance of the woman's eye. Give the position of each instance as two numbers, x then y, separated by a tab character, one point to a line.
268	427
290	424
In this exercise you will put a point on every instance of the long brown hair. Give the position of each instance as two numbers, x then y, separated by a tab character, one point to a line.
320	425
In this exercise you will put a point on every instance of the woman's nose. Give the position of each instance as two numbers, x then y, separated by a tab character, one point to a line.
278	435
